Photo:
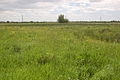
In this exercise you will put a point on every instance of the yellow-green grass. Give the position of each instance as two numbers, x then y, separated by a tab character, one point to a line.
59	51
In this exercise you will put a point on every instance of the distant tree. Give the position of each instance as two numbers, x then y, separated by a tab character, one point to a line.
61	19
31	21
66	20
8	21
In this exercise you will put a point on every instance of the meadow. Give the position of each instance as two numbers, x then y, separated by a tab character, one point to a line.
54	51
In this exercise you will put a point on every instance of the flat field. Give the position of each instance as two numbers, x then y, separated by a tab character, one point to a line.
53	51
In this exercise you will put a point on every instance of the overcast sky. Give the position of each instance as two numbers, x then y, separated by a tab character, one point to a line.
48	10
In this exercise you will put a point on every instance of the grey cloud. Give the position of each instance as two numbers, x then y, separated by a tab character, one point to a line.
95	0
34	1
22	4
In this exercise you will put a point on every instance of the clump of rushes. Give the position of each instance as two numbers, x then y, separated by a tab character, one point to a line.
45	58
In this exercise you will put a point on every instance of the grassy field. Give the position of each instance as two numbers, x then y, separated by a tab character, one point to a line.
52	51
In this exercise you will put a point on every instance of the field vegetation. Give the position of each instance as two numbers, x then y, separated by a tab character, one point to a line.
59	51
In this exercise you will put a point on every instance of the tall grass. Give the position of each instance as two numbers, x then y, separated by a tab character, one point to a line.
60	52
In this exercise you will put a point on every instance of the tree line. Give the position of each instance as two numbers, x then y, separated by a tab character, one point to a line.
61	19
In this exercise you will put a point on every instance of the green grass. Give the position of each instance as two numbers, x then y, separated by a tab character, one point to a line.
52	51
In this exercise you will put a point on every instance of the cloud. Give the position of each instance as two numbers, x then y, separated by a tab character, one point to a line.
34	1
25	4
95	0
55	7
48	4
